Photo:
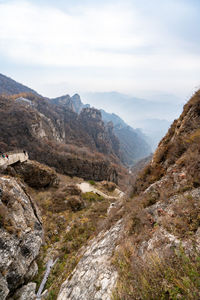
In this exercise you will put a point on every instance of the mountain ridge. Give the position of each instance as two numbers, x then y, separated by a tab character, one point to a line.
8	86
133	144
132	148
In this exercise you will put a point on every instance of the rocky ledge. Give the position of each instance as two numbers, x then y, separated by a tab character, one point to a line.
34	174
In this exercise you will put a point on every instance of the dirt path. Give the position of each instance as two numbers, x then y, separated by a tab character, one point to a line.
85	187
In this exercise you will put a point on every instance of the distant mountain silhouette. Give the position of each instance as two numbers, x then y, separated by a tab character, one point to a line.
115	138
133	143
140	112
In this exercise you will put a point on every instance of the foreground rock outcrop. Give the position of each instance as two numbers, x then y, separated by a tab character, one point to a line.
34	174
94	277
21	236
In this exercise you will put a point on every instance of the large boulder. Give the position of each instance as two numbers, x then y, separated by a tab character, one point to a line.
21	236
35	174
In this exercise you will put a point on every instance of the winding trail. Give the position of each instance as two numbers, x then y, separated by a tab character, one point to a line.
85	187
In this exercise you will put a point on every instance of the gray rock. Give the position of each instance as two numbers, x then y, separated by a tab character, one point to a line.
94	277
20	236
4	291
27	292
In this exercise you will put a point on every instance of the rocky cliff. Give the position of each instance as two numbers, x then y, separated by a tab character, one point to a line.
94	277
59	137
20	237
132	143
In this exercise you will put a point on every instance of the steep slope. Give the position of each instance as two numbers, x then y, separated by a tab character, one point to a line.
9	86
179	146
74	103
133	144
73	144
159	256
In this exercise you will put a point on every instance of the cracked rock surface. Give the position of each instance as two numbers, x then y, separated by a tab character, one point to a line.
94	277
20	236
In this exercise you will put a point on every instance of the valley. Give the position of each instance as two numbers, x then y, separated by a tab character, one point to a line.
86	192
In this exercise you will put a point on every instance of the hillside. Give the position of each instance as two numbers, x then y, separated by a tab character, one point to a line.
123	143
155	231
44	217
77	145
139	245
159	255
9	86
133	144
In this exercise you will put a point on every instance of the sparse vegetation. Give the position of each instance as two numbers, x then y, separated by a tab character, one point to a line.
92	182
175	277
92	197
66	231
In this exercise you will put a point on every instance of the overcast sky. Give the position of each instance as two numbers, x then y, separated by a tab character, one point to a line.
137	47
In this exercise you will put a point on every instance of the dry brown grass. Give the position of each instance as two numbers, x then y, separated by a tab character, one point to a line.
66	231
174	277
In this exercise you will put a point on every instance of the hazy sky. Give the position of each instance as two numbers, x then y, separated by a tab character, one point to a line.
138	47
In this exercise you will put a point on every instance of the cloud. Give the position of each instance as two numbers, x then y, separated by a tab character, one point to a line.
48	36
126	45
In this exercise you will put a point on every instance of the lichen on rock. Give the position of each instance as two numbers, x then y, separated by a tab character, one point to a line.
94	277
21	236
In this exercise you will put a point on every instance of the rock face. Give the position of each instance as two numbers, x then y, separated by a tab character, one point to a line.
130	143
35	174
57	136
94	277
27	292
103	136
20	236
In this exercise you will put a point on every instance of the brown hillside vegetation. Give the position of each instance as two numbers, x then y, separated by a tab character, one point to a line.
180	146
159	256
77	145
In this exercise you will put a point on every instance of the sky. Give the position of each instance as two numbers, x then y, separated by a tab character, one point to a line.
138	47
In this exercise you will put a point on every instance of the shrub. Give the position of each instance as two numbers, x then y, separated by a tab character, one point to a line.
92	182
92	197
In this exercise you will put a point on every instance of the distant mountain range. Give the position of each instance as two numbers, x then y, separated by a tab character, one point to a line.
133	143
153	117
72	122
